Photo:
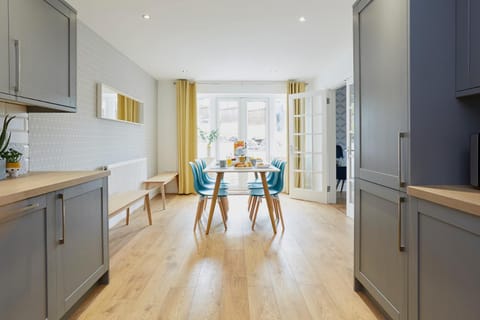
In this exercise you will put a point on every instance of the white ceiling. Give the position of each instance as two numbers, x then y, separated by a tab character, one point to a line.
227	39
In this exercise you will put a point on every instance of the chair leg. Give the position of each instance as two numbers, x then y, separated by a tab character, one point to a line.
343	182
128	216
252	207
226	206
275	208
338	182
222	211
257	205
250	198
280	213
199	212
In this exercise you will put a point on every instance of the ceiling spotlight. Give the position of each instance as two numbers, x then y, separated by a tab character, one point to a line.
302	19
146	16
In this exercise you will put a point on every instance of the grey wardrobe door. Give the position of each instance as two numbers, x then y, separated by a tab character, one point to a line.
25	229
4	48
445	264
381	86
380	262
83	255
43	31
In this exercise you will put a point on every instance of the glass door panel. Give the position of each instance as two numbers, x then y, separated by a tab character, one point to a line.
307	165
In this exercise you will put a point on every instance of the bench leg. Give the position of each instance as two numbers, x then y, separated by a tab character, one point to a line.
128	216
163	196
149	211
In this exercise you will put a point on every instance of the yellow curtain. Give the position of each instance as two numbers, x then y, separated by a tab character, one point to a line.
128	109
298	123
186	133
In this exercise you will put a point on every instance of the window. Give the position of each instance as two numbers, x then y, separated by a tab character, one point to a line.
258	119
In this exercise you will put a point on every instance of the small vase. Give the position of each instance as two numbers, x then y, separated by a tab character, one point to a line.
209	151
13	168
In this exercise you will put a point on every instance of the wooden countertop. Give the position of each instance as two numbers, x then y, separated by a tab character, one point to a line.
462	198
37	183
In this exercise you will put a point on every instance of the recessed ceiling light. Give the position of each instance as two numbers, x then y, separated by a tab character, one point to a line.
146	16
302	19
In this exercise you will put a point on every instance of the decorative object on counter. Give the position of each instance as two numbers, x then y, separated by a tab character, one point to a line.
209	138
13	165
4	142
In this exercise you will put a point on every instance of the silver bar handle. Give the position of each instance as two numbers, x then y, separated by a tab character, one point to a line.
16	44
401	135
401	246
19	212
62	239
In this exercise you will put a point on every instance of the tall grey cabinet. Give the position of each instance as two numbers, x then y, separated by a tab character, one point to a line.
410	130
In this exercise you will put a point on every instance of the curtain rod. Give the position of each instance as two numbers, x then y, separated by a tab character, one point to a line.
263	83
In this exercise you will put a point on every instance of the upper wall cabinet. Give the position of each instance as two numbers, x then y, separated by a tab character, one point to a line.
468	47
41	54
4	85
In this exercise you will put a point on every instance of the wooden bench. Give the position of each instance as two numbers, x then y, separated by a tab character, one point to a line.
123	200
161	180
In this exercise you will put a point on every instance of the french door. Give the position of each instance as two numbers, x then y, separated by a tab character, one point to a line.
308	163
242	119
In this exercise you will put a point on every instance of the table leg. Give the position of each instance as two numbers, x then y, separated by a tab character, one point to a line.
214	200
269	200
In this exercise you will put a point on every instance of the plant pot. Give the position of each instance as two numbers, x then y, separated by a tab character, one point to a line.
3	164
13	168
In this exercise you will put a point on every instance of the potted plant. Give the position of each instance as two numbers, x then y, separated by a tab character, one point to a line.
209	137
4	142
13	165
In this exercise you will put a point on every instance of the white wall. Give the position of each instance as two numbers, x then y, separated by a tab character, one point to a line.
167	129
81	141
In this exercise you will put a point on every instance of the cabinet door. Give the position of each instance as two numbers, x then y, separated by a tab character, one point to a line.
44	64
26	247
4	48
82	233
380	258
467	47
381	83
444	263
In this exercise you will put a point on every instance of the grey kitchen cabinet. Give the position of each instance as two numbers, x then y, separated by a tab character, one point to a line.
381	71
27	251
4	68
43	53
467	47
82	251
380	246
444	263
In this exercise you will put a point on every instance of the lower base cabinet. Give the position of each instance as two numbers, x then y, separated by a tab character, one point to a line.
380	246
82	246
53	249
26	260
444	263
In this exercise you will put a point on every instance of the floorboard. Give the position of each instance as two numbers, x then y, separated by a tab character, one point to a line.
166	271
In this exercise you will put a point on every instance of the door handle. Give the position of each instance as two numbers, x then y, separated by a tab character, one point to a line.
16	45
62	239
401	135
401	246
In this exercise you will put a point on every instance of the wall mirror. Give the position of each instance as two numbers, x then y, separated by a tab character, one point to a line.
115	105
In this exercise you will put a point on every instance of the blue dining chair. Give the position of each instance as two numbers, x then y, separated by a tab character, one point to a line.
206	180
258	193
206	193
271	180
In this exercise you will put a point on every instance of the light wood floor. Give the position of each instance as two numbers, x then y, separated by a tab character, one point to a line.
165	271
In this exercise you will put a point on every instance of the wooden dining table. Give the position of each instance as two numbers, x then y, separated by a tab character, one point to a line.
220	172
